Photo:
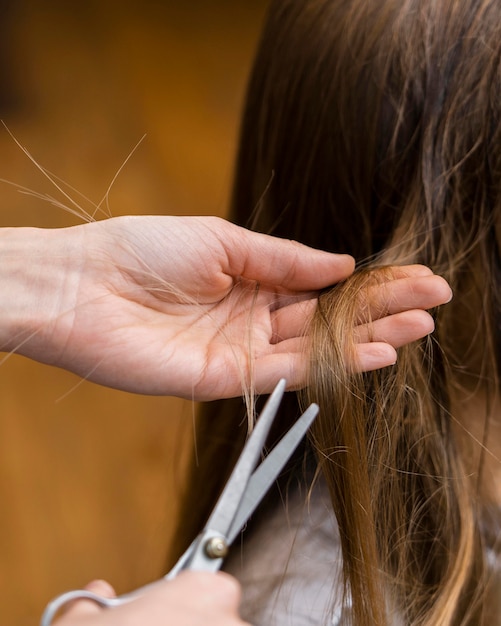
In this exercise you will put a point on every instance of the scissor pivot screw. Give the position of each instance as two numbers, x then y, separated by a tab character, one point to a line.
216	548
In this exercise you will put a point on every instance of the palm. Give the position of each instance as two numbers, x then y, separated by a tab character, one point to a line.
143	341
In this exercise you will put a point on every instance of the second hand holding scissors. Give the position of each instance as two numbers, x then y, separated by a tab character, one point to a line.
244	490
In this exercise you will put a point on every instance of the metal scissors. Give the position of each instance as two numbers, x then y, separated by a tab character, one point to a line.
244	490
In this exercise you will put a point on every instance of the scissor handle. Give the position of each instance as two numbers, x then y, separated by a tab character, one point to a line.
80	594
244	490
195	557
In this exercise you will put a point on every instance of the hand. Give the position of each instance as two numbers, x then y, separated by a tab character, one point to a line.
191	599
390	312
169	305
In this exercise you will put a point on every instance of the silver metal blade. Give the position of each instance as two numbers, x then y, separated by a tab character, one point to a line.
267	472
224	512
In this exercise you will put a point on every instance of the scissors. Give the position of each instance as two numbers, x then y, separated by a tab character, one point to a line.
244	490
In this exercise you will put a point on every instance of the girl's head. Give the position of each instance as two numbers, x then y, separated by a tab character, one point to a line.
374	128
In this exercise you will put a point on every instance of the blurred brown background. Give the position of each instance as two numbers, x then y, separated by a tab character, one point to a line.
89	477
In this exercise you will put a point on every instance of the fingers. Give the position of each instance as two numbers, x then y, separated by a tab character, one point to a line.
190	599
283	263
398	329
377	343
294	366
407	271
374	356
414	292
385	302
82	608
291	365
291	321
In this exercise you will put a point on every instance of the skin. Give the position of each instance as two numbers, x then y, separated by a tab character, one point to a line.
191	599
169	305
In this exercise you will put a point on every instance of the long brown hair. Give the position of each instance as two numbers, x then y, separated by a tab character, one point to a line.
374	128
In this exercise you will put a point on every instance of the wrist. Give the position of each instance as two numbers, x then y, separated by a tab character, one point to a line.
32	274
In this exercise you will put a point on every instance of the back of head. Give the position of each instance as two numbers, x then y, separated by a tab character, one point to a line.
373	127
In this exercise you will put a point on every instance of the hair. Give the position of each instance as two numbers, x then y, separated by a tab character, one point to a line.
373	127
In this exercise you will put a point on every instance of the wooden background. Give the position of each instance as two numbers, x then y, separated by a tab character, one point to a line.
89	477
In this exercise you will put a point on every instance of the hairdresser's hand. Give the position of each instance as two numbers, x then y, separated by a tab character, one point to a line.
161	305
191	599
168	305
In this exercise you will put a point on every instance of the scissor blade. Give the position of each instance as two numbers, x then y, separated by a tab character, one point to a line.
264	476
229	501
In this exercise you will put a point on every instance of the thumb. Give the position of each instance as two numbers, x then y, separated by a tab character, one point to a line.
285	263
